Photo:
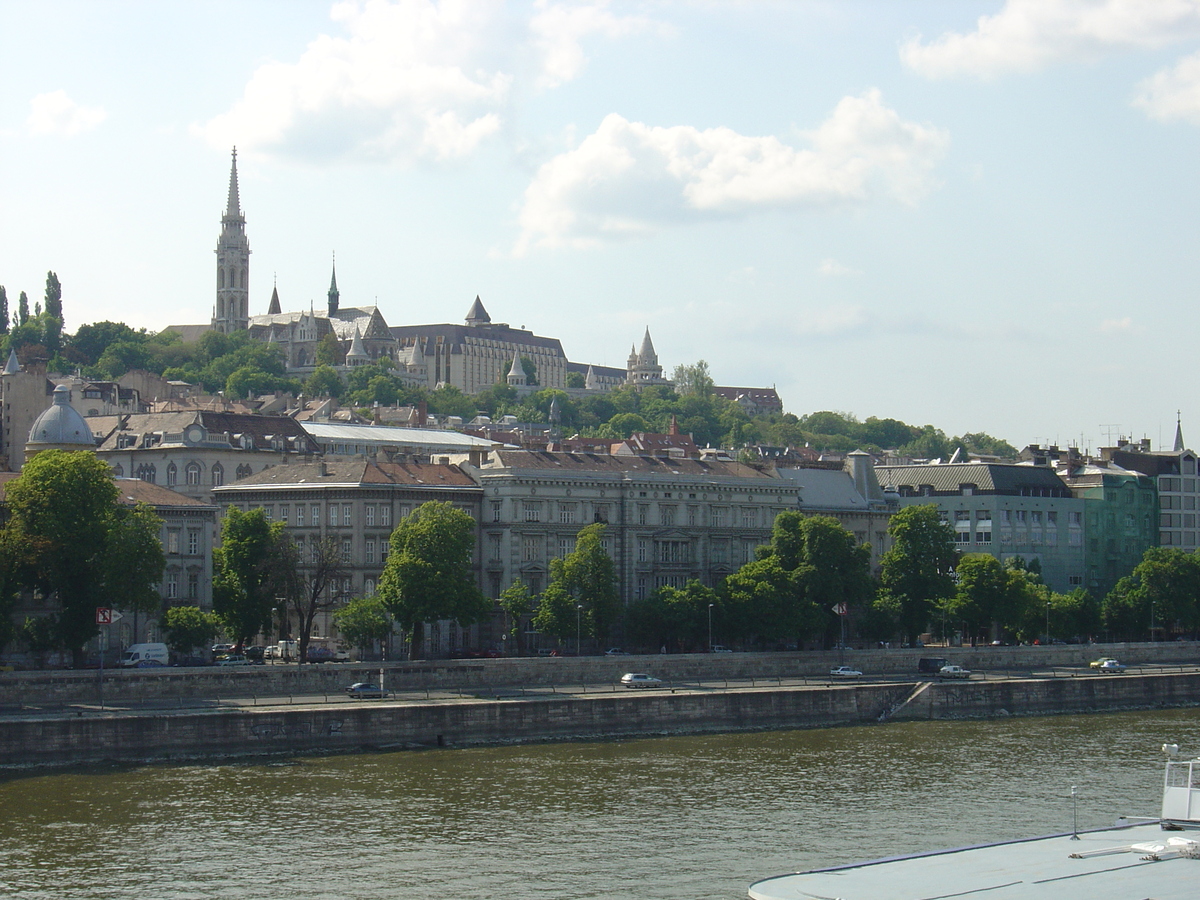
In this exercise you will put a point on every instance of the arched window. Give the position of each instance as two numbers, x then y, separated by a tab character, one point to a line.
192	473
172	475
243	279
119	471
220	278
218	475
244	470
147	472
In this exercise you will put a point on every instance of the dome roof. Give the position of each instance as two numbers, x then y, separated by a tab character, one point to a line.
61	424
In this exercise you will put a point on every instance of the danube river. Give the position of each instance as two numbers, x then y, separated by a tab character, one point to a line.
680	818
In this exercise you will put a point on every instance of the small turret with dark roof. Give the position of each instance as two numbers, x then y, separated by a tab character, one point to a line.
477	315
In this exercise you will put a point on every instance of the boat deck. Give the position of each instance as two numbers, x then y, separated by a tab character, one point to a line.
1045	868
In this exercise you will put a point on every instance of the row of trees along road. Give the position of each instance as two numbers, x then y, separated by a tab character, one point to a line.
786	595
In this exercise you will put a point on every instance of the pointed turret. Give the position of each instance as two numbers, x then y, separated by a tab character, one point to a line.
591	382
233	208
1179	445
516	373
647	356
13	367
477	315
334	295
273	309
357	355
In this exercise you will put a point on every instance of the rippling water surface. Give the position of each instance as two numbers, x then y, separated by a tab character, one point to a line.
678	818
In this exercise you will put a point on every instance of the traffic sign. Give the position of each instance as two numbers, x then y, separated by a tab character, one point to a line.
104	615
840	609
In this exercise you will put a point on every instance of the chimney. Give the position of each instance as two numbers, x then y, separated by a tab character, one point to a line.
422	413
375	418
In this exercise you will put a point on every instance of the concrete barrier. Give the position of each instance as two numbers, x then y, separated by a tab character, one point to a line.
345	727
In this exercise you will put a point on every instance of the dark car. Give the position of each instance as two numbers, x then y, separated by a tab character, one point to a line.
931	665
254	654
364	690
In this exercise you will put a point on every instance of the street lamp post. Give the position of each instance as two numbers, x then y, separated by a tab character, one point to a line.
1151	621
578	629
710	606
1047	621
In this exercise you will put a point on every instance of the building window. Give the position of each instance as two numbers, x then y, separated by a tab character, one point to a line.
693	516
299	515
983	537
749	517
641	587
666	515
314	549
347	550
333	515
369	547
962	537
962	515
347	516
314	515
1073	518
172	475
565	545
643	550
529	548
532	510
193	542
494	546
284	513
566	513
193	588
385	515
269	511
172	585
369	513
218	475
601	512
643	513
674	552
173	541
384	550
720	552
718	516
192	473
497	506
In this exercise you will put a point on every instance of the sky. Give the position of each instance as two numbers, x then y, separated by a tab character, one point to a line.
978	215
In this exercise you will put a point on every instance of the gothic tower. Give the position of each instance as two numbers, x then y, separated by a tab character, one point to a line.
334	294
232	312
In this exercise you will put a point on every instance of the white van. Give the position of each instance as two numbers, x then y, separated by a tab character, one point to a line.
146	655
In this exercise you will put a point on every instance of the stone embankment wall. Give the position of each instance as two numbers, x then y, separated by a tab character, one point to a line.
346	727
133	685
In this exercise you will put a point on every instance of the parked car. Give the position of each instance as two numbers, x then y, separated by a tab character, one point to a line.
844	672
1111	667
233	659
720	648
1098	663
364	690
222	649
615	651
954	672
640	680
255	653
320	654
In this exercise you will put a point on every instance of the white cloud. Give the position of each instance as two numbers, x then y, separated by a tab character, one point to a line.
1027	35
1117	326
409	79
558	30
628	178
56	113
831	268
1173	93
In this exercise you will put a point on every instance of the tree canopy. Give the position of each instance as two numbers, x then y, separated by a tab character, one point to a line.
917	573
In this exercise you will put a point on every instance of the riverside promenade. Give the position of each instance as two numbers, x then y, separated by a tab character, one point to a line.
59	719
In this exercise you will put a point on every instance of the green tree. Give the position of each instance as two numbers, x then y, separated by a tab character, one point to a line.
324	382
693	380
517	603
558	613
1164	586
66	515
575	380
189	627
329	351
587	577
363	621
308	586
245	572
53	303
22	309
673	617
134	561
917	574
428	574
530	368
3	310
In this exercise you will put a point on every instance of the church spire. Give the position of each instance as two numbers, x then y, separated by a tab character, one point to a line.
334	295
232	309
273	309
1179	445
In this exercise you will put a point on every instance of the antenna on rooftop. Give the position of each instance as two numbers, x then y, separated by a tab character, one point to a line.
1109	430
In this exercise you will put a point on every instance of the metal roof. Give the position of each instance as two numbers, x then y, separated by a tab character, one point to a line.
425	438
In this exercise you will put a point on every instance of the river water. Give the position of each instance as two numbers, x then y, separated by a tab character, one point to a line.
682	818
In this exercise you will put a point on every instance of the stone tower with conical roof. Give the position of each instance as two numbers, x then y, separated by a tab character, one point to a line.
232	311
643	367
516	373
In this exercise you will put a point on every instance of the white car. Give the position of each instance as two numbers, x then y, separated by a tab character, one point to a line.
1111	666
844	672
954	672
640	680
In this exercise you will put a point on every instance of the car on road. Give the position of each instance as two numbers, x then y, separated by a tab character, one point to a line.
640	680
1098	663
954	672
615	651
844	672
364	690
1111	667
233	659
719	648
